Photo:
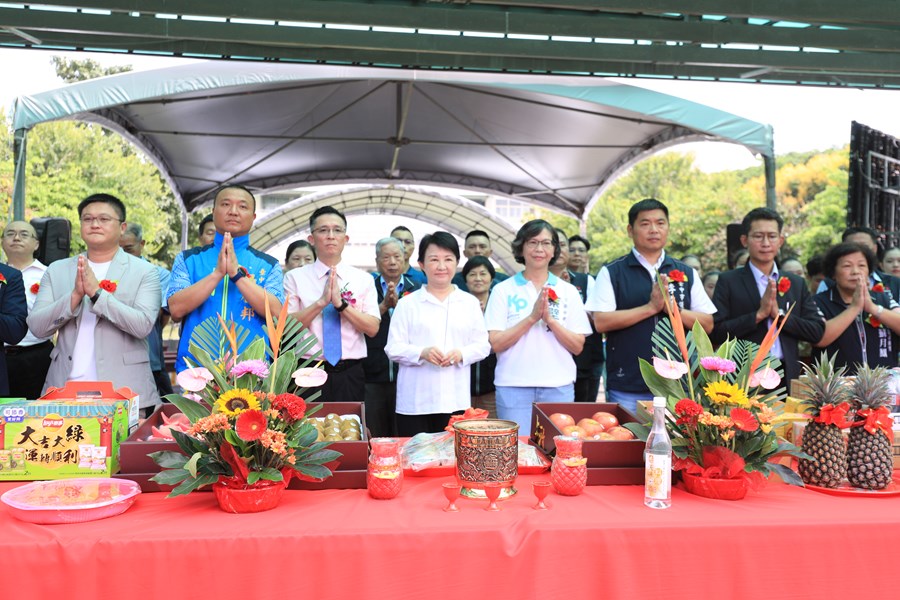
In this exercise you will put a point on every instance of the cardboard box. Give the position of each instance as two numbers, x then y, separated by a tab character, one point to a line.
609	462
97	391
54	440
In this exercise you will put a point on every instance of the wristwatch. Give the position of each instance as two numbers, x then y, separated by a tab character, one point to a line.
241	272
343	306
96	296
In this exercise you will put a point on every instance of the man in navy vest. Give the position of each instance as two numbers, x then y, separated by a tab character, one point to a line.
626	301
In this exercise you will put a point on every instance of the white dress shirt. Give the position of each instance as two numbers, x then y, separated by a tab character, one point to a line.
304	286
31	275
420	321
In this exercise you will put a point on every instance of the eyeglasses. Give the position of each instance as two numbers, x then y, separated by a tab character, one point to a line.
326	231
535	244
10	235
102	219
758	237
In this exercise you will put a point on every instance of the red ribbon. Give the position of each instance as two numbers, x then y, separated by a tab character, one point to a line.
875	420
721	463
471	413
832	414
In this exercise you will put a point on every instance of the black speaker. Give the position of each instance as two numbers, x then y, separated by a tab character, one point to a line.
733	241
55	237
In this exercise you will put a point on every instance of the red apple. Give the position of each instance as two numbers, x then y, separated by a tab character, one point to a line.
620	433
606	419
590	426
603	436
574	431
561	420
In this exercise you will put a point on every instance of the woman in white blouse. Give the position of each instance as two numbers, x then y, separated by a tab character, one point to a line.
436	333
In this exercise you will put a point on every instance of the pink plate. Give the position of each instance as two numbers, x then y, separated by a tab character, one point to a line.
845	489
71	500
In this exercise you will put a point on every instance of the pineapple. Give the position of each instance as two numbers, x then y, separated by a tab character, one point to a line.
870	463
824	442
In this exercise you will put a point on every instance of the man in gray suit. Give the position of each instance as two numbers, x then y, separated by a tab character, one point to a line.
102	304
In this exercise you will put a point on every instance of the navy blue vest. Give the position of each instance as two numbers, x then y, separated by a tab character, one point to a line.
632	285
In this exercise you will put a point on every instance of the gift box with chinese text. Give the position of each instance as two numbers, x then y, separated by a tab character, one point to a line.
43	439
97	391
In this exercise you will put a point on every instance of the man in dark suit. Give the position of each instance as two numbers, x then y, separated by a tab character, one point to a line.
748	298
13	312
381	373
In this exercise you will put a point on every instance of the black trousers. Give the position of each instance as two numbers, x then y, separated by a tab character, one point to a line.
163	383
381	406
26	368
346	382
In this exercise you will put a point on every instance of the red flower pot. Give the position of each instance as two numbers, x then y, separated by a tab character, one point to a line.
718	489
261	496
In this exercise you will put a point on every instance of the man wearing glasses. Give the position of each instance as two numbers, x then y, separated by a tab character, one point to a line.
339	305
748	298
27	362
102	305
228	277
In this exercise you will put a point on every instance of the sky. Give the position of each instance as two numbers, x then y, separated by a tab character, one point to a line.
803	118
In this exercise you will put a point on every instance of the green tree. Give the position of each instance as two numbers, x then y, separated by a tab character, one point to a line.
68	161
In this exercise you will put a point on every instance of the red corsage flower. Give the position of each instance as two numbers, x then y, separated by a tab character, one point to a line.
784	284
677	276
35	287
551	296
348	296
2	279
878	287
109	286
871	320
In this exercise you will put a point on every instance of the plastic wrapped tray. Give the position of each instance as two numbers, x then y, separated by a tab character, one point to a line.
70	500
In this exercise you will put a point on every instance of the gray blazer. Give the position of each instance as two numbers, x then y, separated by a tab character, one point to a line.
124	320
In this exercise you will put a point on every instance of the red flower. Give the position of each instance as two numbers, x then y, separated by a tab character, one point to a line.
744	419
2	279
688	408
878	287
250	425
677	276
784	284
551	295
109	286
874	322
34	288
292	407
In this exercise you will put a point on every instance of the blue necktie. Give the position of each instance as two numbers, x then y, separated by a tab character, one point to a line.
331	334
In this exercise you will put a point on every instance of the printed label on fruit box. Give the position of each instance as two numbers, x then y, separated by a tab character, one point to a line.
658	476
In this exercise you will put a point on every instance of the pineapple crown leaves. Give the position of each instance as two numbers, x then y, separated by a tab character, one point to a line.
825	384
871	388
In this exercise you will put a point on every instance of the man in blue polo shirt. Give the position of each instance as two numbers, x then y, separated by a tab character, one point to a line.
626	301
199	275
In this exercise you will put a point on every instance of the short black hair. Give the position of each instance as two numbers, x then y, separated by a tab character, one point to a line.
643	206
479	261
234	186
298	244
325	210
206	219
583	240
562	234
708	275
401	228
441	239
477	232
761	214
530	230
816	265
104	199
843	249
859	229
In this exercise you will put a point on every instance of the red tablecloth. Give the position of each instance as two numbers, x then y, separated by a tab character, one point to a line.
783	542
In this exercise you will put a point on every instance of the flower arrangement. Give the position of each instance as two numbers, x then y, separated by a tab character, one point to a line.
246	427
721	404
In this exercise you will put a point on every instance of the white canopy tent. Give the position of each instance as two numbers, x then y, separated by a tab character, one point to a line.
552	141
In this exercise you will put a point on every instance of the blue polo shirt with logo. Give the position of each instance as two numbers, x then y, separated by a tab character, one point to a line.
196	263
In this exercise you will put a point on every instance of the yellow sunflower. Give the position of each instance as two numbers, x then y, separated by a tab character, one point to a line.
234	402
722	392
